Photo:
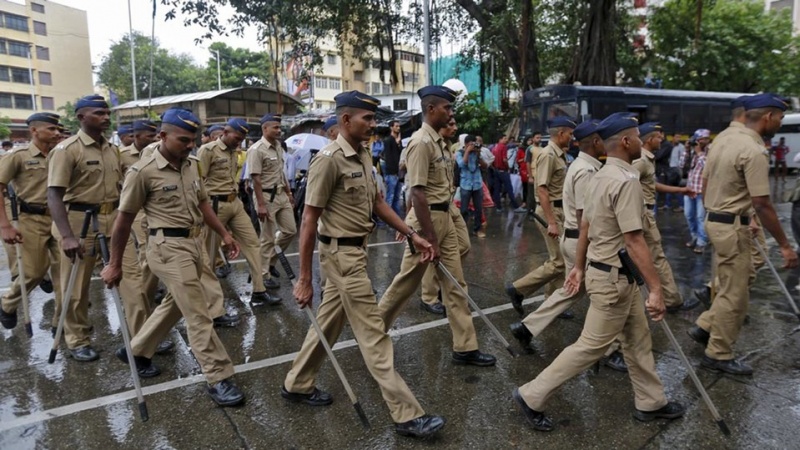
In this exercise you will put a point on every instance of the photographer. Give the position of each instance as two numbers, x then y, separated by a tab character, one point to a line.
471	182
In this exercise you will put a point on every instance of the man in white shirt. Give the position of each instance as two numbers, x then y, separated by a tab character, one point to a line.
674	175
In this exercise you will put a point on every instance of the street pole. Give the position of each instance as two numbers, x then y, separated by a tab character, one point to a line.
219	76
133	60
426	24
30	78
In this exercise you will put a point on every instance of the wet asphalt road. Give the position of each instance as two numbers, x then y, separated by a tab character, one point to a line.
89	405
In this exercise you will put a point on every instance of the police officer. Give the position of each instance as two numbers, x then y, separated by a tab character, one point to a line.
734	179
125	134
612	220
84	175
430	177
218	166
272	196
167	186
331	128
551	167
577	189
341	197
26	168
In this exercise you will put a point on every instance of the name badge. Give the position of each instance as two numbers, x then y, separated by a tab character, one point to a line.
92	163
172	187
356	175
273	159
32	163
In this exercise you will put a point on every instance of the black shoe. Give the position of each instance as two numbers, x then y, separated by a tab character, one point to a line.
84	354
731	366
271	284
687	305
274	272
566	315
704	296
223	271
521	333
516	298
616	361
160	294
474	358
164	347
226	320
435	308
671	410
225	393
537	419
46	285
264	299
8	320
53	332
144	366
316	398
699	335
421	427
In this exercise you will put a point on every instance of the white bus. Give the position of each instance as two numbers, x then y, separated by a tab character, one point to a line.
790	129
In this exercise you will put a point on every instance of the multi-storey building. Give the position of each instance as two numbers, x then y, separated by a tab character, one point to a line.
45	59
793	6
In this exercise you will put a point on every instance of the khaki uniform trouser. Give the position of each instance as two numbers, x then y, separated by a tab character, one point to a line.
182	265
281	215
559	301
40	252
732	252
652	236
348	297
235	218
757	260
616	309
132	288
430	282
76	327
11	250
411	273
551	272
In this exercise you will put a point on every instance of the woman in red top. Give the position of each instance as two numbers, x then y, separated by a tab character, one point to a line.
523	171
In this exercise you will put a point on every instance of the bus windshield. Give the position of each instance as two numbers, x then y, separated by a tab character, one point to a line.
557	109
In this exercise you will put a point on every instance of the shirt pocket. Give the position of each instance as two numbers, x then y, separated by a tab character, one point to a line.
356	189
167	195
33	170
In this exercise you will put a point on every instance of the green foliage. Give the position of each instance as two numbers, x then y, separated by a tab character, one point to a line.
741	47
68	117
238	66
5	130
474	117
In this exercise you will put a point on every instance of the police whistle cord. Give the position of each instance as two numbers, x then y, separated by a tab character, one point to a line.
66	297
353	399
126	337
628	263
774	272
12	196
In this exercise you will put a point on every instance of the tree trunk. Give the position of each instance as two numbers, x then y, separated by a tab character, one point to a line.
596	60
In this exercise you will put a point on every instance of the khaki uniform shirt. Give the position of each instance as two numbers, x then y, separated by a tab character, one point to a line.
430	165
615	207
647	175
551	168
148	151
340	181
535	152
90	171
26	167
576	187
170	197
266	160
218	166
736	171
129	156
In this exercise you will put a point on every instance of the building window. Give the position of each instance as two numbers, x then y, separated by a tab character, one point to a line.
321	82
331	59
22	101
20	75
358	75
42	53
376	88
35	7
335	83
48	104
387	89
5	100
410	77
40	28
4	76
400	105
45	79
15	22
3	47
17	48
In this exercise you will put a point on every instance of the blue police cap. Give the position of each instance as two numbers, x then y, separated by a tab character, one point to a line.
356	99
122	130
438	91
51	118
181	118
239	125
585	129
91	101
331	122
561	121
738	102
269	117
649	127
765	100
144	125
214	128
615	123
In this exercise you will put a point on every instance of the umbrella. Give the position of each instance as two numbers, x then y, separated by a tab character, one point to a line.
303	144
306	141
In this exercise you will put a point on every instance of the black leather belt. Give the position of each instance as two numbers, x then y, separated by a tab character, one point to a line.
33	208
727	218
176	232
607	268
224	198
443	207
342	241
558	203
649	206
572	234
101	208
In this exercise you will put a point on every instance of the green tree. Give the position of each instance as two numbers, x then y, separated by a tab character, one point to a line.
738	47
5	130
68	117
238	66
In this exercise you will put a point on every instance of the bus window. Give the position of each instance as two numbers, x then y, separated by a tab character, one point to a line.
569	109
719	119
602	107
694	117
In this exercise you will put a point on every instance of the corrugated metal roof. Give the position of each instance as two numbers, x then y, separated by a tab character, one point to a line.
170	99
